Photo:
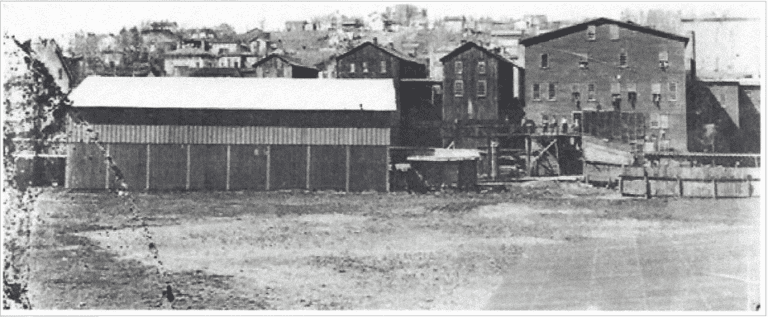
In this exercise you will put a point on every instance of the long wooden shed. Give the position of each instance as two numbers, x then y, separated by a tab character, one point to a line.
186	133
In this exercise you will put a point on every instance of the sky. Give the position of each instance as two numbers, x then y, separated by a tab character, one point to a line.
57	19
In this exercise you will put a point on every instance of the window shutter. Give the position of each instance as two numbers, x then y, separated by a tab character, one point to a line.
656	88
615	88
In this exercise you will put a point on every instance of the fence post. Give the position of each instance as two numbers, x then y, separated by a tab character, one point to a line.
621	184
749	185
106	162
679	185
226	187
149	158
189	165
714	188
347	167
309	164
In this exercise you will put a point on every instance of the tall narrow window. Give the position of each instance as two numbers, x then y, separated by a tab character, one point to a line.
481	67
614	29
544	60
383	67
536	92
656	94
584	61
591	92
61	73
616	96
591	33
482	88
197	64
351	67
551	93
623	59
237	65
673	91
632	94
458	88
663	60
654	121
664	121
365	67
459	67
576	97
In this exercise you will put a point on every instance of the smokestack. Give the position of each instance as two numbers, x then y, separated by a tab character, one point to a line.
693	55
375	41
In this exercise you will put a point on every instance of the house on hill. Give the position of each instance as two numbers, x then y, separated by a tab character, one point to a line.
179	62
187	133
479	87
276	65
614	80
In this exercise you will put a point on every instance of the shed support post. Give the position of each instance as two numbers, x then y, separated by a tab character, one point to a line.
309	165
106	170
749	185
647	184
714	188
269	163
228	166
680	186
621	185
67	168
528	166
189	166
347	167
387	171
149	165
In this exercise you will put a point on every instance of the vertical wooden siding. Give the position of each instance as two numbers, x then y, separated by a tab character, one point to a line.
368	168
86	168
168	167
132	160
208	167
248	167
159	134
288	170
328	167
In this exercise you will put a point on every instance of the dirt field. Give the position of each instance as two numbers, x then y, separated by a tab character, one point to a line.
299	251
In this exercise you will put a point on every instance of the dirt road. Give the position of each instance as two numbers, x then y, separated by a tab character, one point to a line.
700	271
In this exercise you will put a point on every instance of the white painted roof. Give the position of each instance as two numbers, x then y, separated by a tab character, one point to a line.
235	93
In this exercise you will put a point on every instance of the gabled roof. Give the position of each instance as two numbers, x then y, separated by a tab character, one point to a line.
286	59
583	26
190	51
384	49
469	45
228	93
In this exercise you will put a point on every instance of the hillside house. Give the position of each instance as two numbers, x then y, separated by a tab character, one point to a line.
159	40
179	62
604	65
202	134
278	66
293	26
479	87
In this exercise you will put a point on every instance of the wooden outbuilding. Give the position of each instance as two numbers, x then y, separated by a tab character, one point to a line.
187	133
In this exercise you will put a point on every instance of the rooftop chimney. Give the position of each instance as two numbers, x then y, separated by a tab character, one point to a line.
392	45
375	41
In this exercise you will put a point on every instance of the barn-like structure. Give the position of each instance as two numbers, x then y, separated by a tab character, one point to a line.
186	133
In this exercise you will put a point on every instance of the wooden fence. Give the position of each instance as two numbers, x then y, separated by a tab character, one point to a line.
701	182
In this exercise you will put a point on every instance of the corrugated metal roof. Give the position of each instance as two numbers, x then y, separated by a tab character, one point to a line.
235	93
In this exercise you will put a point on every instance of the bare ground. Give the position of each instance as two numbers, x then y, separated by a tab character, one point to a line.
328	250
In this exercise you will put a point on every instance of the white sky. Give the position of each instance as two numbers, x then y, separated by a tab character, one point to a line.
54	19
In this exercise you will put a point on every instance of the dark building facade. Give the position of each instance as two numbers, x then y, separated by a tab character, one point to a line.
370	61
725	116
281	66
479	85
604	65
207	134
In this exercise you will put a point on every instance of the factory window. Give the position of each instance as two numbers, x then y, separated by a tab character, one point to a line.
664	121
583	61
552	91
632	98
481	67
61	73
383	67
663	60
656	94
458	88
459	67
351	67
673	91
544	61
591	33
614	29
197	64
536	92
576	97
482	88
654	121
591	92
623	59
365	67
237	65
